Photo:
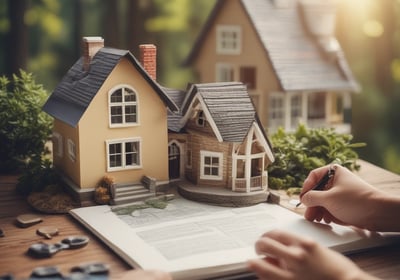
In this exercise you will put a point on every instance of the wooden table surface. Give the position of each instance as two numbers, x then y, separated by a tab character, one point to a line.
381	262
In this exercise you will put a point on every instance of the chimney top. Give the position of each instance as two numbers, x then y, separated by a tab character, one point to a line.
148	59
90	46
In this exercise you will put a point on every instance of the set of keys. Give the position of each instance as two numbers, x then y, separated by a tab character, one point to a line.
93	271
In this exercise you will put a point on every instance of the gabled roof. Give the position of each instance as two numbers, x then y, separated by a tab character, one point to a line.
298	61
228	105
73	94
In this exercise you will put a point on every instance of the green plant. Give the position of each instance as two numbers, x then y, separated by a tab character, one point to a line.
37	176
24	127
297	153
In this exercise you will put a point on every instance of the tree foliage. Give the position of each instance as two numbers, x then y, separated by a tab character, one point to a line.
24	127
297	153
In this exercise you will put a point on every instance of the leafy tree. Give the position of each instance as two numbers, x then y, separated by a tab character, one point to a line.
296	154
24	127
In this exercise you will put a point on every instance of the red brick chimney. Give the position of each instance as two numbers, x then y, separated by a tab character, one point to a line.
148	59
90	46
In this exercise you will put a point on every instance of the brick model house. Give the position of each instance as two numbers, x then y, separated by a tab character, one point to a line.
286	52
112	118
223	141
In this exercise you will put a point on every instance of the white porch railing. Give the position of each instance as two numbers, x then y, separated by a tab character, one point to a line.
257	183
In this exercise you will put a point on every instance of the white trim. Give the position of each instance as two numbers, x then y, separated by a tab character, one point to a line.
123	154
260	137
275	122
123	104
298	107
234	46
210	119
220	157
182	155
248	156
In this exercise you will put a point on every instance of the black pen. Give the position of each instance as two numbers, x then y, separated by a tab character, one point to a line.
321	183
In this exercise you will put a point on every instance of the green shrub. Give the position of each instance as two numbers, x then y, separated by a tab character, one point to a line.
24	127
297	153
37	176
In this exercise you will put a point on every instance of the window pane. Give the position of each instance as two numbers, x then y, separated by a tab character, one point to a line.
207	160
132	159
129	95
215	161
116	114
214	171
130	114
116	110
207	170
131	153
129	147
129	159
115	161
116	96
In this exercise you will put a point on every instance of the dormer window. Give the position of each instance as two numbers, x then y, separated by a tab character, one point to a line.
201	119
123	106
229	39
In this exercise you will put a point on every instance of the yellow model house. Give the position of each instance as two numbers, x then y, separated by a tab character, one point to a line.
110	118
286	53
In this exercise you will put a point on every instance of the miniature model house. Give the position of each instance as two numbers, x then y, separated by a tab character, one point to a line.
286	53
224	141
112	118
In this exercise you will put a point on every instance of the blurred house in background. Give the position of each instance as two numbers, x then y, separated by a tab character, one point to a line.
286	53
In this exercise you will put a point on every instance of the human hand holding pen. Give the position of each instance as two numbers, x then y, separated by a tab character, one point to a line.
349	200
343	198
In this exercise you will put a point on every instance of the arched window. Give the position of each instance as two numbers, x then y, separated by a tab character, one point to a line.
123	107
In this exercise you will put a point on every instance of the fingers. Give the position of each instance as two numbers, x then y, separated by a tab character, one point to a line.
284	237
319	213
284	252
276	243
312	178
315	198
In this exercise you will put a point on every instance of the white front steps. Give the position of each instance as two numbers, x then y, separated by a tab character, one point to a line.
125	194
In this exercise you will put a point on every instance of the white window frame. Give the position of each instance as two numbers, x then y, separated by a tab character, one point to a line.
296	109
224	72
58	148
229	39
124	166
277	114
71	150
203	155
123	104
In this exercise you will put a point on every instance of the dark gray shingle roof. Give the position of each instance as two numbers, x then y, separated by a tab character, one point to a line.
229	105
174	118
73	94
